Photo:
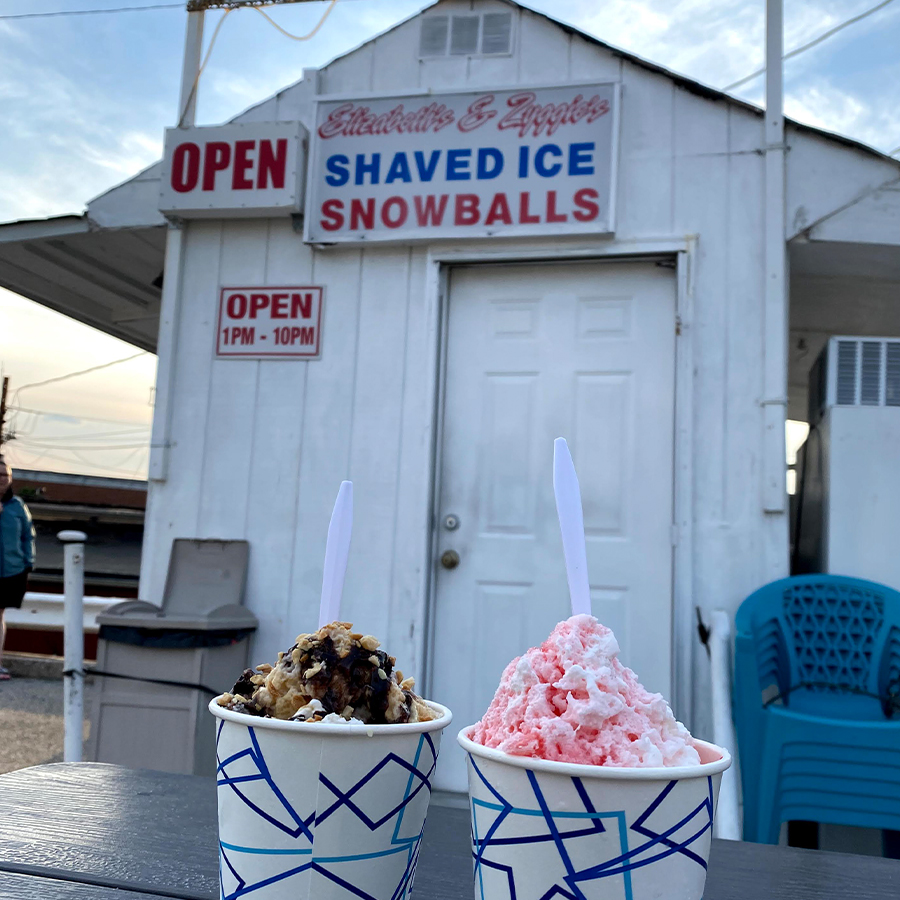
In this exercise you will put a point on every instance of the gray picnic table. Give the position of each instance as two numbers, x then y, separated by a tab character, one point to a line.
91	831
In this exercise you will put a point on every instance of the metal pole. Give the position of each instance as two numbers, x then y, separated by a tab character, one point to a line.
167	338
193	47
727	821
73	671
776	303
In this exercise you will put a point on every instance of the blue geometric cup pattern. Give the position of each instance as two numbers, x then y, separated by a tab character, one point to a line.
538	835
325	816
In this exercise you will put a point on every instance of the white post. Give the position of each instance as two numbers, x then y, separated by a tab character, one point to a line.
727	821
166	343
776	301
73	678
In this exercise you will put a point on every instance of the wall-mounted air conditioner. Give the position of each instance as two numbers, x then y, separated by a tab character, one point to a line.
848	505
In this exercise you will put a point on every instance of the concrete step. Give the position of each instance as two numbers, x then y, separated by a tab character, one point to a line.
32	665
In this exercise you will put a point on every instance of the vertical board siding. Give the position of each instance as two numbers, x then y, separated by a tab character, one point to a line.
260	447
328	424
228	450
646	160
375	435
273	488
174	505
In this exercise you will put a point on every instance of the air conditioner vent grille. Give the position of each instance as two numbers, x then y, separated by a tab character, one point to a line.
892	374
861	372
870	374
846	373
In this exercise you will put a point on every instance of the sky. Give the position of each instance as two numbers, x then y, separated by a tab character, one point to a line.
84	101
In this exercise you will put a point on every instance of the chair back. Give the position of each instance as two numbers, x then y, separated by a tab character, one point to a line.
826	645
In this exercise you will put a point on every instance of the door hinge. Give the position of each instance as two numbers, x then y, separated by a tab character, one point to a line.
678	326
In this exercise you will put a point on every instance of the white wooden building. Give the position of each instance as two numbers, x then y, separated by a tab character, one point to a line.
449	363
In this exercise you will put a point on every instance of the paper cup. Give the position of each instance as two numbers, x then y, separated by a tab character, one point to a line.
317	811
548	829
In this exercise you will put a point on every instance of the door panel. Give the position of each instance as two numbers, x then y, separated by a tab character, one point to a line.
582	350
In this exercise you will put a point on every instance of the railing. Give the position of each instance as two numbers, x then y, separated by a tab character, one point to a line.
46	612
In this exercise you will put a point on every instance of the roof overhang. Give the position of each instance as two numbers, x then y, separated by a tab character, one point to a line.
109	278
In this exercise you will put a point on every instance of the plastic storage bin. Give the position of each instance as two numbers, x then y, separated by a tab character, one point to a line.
196	642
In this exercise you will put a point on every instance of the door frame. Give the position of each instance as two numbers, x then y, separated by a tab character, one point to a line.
682	252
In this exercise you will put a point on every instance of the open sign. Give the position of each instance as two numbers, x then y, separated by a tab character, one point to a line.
242	169
269	322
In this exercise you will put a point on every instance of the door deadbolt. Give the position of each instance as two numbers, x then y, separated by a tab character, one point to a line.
449	559
451	522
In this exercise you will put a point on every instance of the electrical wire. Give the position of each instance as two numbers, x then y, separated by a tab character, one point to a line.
114	362
93	435
29	442
209	50
215	34
91	12
296	37
46	412
822	37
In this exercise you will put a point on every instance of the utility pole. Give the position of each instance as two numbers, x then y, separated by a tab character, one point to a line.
3	413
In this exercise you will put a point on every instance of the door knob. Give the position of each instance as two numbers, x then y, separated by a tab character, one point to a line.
449	559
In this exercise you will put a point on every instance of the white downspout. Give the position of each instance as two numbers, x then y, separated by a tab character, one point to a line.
775	297
728	820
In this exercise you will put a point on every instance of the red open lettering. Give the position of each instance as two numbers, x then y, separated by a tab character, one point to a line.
272	163
237	306
242	162
301	303
216	158
185	167
279	306
258	302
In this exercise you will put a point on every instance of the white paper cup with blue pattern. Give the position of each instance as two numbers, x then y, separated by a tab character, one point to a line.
321	811
544	829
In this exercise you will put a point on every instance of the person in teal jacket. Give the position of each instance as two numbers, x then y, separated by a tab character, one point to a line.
16	552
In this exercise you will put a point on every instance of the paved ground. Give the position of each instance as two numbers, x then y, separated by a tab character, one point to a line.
31	723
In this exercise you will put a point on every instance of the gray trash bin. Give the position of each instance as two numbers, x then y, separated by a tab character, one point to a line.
197	638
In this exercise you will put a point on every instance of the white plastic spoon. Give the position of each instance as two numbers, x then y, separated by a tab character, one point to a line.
337	549
571	524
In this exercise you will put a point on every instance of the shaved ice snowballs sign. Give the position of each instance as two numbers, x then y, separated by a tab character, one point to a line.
464	165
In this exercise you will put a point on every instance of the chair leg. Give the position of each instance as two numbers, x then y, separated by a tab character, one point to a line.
803	834
890	843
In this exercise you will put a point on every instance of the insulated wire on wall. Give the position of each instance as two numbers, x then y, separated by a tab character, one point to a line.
297	37
215	34
209	51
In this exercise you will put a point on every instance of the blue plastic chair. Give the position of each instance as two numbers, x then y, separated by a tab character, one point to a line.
817	704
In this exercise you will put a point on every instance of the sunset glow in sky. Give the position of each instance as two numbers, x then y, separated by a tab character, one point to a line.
84	101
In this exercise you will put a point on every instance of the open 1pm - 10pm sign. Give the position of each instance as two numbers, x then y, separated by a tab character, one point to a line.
474	164
269	322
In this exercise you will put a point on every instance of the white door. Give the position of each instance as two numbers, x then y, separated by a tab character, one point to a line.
580	350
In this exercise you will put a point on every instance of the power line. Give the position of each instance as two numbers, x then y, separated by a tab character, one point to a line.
133	433
822	37
30	442
95	12
92	12
46	412
114	362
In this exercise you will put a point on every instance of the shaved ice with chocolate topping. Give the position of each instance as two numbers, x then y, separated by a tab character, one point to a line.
333	675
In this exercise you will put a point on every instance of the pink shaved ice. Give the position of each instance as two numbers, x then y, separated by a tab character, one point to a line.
572	701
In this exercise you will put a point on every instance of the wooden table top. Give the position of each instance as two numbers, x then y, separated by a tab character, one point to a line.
89	830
